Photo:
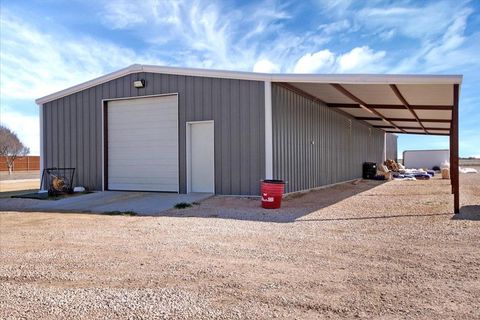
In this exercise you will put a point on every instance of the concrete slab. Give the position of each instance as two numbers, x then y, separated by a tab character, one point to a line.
143	203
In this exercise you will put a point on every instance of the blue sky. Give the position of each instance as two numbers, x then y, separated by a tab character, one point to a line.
50	45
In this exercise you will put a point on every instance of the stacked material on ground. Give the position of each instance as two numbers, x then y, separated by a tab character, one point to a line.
392	165
383	173
445	170
414	174
393	170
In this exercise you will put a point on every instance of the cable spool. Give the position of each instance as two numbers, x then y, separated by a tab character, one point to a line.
58	183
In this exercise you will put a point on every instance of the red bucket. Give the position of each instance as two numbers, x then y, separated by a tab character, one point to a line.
272	193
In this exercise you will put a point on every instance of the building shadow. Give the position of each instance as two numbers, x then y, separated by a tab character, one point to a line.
293	207
469	212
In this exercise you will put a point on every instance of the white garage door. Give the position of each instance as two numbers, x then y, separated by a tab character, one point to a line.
143	144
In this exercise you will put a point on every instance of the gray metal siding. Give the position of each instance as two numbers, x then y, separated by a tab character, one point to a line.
340	144
391	146
73	127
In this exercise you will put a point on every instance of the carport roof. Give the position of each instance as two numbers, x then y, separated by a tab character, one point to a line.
411	108
417	104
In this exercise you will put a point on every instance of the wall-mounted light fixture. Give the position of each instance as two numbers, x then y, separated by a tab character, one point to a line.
139	84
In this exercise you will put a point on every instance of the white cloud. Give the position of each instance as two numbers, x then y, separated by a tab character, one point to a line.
34	63
410	20
265	66
27	127
199	33
453	50
337	7
124	14
335	27
361	59
387	35
209	34
321	61
453	47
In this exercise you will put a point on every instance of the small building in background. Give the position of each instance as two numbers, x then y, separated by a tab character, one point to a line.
427	159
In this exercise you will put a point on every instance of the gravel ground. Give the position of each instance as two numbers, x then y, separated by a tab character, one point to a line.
357	250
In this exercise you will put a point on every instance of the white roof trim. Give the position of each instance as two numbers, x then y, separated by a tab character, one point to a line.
310	78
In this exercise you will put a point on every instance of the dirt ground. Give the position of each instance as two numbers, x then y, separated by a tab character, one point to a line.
19	185
18	181
358	250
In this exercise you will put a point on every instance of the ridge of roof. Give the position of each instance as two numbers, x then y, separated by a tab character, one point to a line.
255	76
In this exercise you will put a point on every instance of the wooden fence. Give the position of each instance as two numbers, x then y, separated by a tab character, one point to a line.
28	163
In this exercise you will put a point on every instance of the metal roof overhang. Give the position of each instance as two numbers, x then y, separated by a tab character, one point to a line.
394	106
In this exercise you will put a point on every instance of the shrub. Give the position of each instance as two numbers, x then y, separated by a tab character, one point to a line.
182	205
121	213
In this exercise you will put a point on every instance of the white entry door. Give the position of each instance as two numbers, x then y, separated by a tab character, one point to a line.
143	144
201	156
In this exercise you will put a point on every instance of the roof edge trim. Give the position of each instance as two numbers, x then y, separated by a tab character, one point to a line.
243	75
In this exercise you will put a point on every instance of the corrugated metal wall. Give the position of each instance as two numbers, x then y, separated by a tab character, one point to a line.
391	146
73	127
315	146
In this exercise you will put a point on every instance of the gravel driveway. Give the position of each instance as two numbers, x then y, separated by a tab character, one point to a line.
367	250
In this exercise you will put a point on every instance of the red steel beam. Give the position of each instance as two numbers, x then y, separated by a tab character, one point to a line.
390	106
410	128
347	93
403	119
431	134
454	151
406	104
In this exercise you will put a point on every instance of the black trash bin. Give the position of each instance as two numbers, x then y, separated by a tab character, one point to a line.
369	170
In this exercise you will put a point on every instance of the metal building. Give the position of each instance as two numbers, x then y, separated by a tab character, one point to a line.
155	128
